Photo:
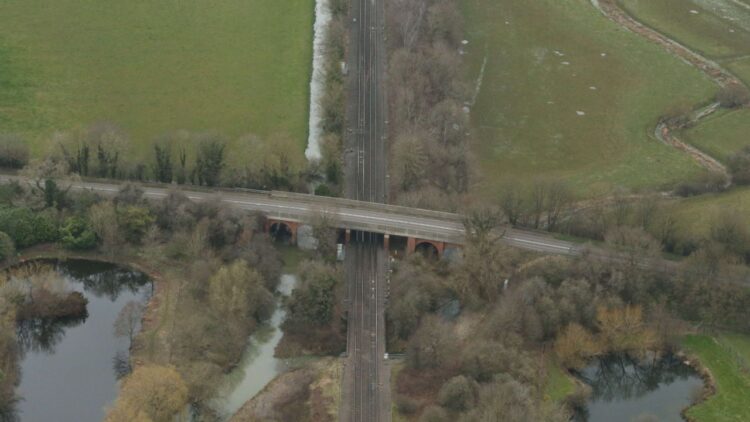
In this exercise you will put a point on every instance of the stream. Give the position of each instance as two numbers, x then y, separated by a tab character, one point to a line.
258	365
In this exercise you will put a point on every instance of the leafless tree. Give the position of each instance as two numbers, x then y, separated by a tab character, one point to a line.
129	320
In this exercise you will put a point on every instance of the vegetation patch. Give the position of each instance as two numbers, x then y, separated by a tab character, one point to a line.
155	67
721	135
578	101
559	385
727	357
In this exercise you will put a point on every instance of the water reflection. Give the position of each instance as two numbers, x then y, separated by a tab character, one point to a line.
41	335
70	366
626	389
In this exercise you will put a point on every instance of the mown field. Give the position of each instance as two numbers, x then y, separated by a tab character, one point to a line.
568	94
696	215
717	28
151	67
728	359
721	135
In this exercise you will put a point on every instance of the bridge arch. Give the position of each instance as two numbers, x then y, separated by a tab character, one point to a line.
282	231
426	246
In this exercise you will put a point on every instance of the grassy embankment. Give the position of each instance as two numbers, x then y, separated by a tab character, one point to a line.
559	384
720	30
153	67
728	359
548	60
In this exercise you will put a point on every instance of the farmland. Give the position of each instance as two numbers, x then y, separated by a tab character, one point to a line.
154	67
577	100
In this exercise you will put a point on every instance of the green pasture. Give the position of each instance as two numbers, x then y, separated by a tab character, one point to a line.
716	28
728	359
568	94
721	135
696	215
152	67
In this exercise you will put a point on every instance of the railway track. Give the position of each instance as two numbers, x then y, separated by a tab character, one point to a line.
366	374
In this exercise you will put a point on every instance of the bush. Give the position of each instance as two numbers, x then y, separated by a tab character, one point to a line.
77	234
457	394
733	96
739	165
7	249
709	182
27	228
134	221
406	405
14	152
434	414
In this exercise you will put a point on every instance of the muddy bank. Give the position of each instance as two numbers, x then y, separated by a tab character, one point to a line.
307	394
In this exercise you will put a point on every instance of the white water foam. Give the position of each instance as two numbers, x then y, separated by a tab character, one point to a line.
322	19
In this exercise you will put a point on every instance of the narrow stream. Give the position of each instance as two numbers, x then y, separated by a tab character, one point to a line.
258	365
69	368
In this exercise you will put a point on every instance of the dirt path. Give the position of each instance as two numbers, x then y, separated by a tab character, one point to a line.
713	70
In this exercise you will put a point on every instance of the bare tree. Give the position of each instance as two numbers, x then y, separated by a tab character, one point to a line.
129	320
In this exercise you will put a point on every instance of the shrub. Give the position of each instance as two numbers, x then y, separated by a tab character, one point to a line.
14	152
406	405
457	394
739	165
7	249
77	234
27	228
733	96
134	221
709	182
434	414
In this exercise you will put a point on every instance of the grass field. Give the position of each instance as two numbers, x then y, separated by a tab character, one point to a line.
721	135
559	384
548	60
716	28
728	359
741	68
695	215
151	67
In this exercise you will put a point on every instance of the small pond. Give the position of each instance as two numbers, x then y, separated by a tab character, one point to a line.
69	368
627	390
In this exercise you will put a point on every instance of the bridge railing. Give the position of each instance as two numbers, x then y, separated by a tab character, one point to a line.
364	205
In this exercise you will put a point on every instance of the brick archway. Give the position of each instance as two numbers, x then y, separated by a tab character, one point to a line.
276	227
412	244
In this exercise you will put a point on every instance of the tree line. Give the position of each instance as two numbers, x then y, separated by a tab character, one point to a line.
430	159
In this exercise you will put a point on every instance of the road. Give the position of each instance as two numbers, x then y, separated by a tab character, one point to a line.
355	215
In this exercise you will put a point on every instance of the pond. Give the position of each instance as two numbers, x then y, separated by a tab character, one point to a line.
627	390
69	368
258	365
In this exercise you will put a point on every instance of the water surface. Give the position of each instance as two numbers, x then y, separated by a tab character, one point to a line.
69	368
626	390
258	365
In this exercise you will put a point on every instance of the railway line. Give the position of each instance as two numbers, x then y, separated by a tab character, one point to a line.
366	375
